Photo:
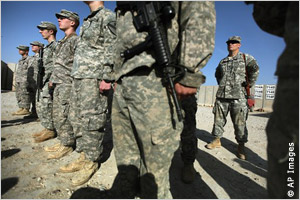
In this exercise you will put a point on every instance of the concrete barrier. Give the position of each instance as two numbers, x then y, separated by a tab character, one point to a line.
264	96
7	75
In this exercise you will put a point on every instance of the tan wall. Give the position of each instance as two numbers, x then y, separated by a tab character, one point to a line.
7	75
207	95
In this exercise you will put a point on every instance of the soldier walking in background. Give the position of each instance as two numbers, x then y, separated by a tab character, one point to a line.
44	104
32	74
61	82
91	90
146	129
234	73
22	84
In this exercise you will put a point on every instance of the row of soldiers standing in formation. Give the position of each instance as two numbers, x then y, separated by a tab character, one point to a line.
86	71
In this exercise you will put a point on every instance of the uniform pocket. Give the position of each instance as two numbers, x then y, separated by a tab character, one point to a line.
94	122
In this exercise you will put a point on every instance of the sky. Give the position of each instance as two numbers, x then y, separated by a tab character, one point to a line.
20	18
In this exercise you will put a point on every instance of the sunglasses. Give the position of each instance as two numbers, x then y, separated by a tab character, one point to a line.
232	42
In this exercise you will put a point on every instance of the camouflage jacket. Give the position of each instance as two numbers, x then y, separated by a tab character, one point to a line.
22	70
63	58
191	36
48	59
94	51
231	76
33	70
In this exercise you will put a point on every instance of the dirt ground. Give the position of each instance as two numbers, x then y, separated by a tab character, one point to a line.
27	174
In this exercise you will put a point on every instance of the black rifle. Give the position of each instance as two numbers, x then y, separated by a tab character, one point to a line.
41	73
152	17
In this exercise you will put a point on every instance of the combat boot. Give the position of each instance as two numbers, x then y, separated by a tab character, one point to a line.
188	173
53	148
61	152
15	113
74	166
216	143
38	133
86	173
46	135
241	154
23	112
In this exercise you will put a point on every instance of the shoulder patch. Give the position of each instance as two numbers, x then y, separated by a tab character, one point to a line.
112	27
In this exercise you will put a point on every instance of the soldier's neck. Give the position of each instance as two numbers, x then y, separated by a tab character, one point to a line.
69	32
51	38
233	53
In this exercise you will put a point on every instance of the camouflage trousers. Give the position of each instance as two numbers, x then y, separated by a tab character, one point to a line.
23	95
44	108
88	116
238	109
146	134
61	105
188	136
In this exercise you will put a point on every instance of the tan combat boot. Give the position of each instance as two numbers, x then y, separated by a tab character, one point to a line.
15	113
86	173
53	148
241	154
216	143
74	166
188	173
46	135
61	152
37	134
23	112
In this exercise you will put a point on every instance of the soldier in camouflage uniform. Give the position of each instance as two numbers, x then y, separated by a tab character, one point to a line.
22	84
146	129
231	95
44	104
32	74
91	87
61	81
282	19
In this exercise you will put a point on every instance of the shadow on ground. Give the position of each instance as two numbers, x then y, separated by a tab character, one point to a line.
8	183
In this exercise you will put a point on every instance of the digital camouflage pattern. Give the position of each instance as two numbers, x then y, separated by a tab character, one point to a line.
61	98
44	105
239	113
88	114
92	63
63	61
48	64
32	78
22	85
282	19
145	128
231	75
231	94
93	56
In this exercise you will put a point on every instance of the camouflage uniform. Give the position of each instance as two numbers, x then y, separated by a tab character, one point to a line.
45	104
22	84
231	94
61	78
92	63
32	75
282	19
146	130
